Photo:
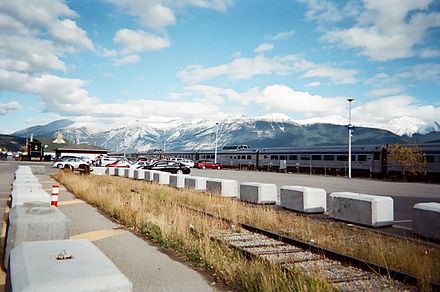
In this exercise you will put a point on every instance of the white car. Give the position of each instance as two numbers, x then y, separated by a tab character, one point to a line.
186	162
75	162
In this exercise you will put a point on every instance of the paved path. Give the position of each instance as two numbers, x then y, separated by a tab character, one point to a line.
145	265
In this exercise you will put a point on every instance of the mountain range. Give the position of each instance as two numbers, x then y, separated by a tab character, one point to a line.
268	131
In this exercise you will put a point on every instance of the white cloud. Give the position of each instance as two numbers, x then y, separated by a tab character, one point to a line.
130	59
387	91
282	35
322	10
266	47
337	75
159	14
386	109
314	84
7	107
387	30
421	72
246	68
285	99
139	41
69	33
429	53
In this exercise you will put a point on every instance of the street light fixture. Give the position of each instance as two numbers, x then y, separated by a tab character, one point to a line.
350	126
216	134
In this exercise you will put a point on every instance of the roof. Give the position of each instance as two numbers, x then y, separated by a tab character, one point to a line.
81	147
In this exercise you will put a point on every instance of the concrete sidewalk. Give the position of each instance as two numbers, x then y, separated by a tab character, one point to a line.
145	265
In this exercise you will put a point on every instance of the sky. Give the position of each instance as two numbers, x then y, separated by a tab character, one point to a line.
101	62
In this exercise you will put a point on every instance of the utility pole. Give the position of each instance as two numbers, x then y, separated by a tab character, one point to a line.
350	126
216	136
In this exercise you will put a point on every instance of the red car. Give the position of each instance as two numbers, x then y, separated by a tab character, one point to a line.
207	164
120	164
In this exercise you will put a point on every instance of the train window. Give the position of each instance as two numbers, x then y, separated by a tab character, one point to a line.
362	157
230	156
265	157
243	157
282	157
329	157
293	157
305	157
430	158
342	158
316	157
274	157
376	155
249	157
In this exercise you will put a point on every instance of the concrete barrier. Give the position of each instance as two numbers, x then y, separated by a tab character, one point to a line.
259	193
19	197
303	199
362	209
149	175
24	185
177	180
426	220
139	174
98	170
111	170
38	169
222	187
34	266
26	179
161	177
196	183
129	172
35	221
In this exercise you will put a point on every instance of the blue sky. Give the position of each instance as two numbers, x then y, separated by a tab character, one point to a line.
101	62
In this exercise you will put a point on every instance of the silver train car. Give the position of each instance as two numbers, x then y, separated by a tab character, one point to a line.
367	160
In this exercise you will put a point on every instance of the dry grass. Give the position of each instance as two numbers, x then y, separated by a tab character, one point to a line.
143	205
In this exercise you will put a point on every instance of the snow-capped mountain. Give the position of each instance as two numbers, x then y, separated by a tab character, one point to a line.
275	130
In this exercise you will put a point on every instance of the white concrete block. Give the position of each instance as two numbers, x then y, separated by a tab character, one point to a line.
259	193
149	175
25	185
35	221
34	267
19	197
111	170
98	170
426	220
222	187
177	180
303	199
196	182
161	177
120	171
26	179
129	172
362	209
139	174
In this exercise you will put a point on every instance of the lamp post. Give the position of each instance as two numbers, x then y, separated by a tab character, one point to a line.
216	134
350	126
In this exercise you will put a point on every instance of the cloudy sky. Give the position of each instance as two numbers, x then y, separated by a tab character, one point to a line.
96	61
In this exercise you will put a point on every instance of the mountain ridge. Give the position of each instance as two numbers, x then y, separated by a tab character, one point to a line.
266	131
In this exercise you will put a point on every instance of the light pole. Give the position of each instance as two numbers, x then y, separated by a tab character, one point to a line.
350	126
216	134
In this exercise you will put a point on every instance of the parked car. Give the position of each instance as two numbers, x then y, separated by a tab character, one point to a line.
202	164
187	162
75	162
120	164
139	164
169	166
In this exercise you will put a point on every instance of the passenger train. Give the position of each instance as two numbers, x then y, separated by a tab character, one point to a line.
367	160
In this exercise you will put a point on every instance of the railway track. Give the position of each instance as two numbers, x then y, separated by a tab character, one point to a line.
345	273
